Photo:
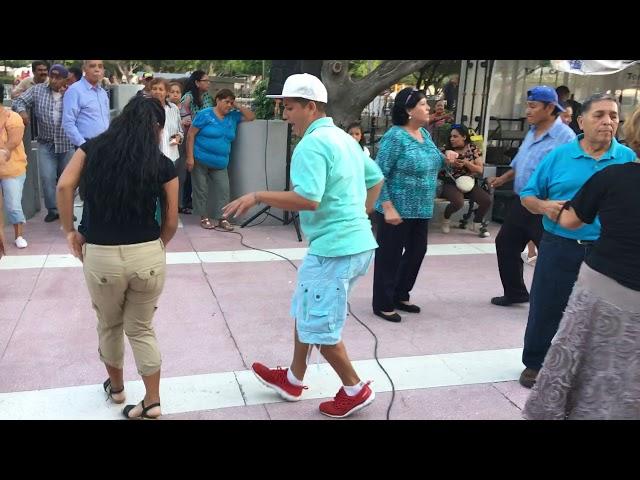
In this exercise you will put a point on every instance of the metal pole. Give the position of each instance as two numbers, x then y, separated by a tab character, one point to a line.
473	93
287	184
462	89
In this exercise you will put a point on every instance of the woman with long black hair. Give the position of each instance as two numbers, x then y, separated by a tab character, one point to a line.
196	97
123	175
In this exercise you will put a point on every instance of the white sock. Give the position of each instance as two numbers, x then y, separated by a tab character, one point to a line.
354	389
292	379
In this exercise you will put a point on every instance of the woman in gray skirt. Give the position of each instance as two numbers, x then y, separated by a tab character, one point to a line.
592	370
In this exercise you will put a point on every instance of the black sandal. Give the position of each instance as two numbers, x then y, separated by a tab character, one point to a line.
110	391
143	414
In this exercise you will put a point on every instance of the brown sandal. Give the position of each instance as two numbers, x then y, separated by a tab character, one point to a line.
206	224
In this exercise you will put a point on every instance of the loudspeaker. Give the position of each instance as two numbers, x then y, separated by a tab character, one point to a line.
502	201
500	170
281	69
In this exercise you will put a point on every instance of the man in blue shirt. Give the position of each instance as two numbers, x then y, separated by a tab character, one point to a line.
557	179
520	226
335	184
86	105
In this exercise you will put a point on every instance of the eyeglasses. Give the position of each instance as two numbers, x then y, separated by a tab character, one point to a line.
406	102
204	80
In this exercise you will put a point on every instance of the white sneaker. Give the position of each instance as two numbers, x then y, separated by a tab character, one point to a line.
528	261
480	230
446	225
21	242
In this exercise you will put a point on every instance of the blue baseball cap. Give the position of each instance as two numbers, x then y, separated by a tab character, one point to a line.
59	69
543	93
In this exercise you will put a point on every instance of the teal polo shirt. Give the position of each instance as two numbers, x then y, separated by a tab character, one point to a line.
329	167
562	173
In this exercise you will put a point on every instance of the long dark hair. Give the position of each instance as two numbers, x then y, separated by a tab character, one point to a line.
122	172
193	88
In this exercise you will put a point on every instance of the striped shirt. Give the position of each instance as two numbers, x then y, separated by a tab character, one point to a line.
48	113
172	126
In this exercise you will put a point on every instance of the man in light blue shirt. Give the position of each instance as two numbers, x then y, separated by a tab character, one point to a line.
520	226
557	179
335	185
86	105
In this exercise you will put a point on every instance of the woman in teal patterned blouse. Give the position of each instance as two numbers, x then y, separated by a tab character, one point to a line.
410	163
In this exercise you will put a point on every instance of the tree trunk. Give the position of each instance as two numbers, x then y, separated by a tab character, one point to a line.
347	98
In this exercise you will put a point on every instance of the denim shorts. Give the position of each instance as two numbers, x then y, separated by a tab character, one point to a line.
319	304
12	192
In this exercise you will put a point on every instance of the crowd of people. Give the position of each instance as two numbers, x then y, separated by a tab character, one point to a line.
574	198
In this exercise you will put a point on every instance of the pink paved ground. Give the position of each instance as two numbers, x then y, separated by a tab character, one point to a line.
48	338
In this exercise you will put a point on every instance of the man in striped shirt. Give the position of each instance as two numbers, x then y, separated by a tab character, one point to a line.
54	148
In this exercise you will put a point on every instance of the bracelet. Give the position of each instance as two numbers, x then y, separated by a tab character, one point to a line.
255	197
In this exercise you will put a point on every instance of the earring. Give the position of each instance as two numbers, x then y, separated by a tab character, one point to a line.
409	116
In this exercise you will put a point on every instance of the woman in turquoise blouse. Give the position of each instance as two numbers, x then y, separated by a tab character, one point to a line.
410	163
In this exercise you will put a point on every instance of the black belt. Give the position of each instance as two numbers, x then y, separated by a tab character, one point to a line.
585	243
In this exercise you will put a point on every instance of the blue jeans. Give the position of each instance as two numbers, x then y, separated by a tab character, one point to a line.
51	165
556	272
12	193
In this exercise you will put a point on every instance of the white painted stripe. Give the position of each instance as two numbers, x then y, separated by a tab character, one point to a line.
252	255
9	262
58	261
19	262
459	249
234	389
179	258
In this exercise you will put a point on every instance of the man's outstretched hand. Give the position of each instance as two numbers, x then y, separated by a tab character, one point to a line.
239	206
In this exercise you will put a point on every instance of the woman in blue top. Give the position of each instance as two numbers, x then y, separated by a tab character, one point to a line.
208	148
410	163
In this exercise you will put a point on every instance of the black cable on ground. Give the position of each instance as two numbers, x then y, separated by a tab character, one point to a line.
375	348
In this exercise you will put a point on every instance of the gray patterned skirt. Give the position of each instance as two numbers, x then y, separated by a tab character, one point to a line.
592	369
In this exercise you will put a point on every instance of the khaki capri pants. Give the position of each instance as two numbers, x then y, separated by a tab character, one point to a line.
125	283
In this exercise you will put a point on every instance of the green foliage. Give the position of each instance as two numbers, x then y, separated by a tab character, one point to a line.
16	63
262	106
361	68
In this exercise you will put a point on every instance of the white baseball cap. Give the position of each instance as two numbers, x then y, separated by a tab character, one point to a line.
303	85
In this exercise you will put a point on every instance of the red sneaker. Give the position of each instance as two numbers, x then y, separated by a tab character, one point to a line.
276	379
343	405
